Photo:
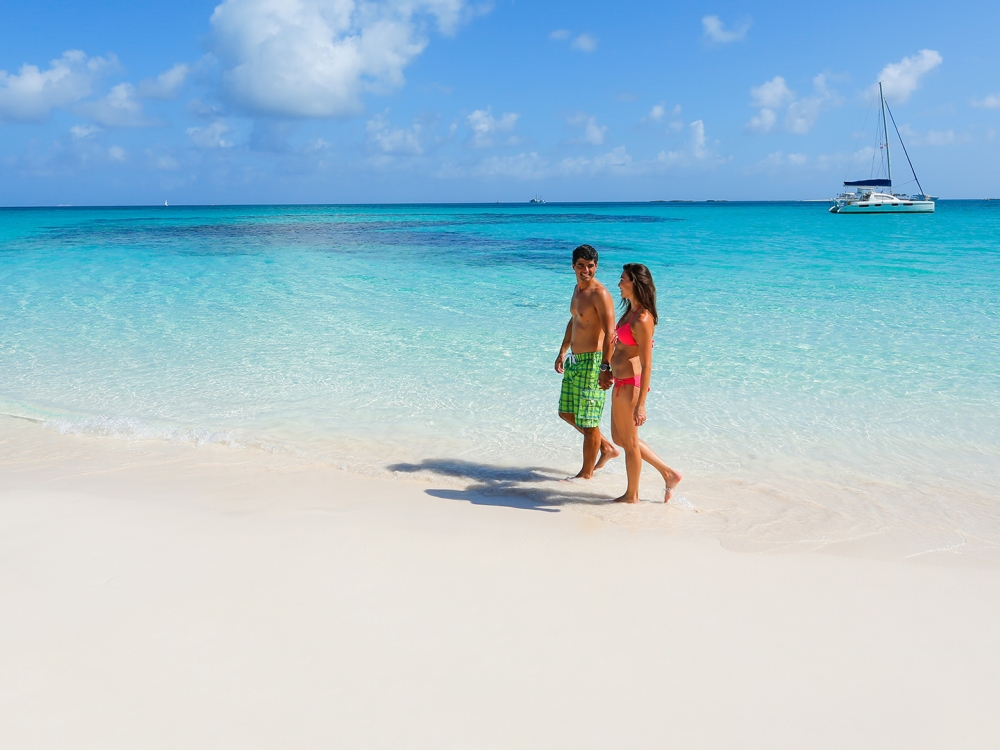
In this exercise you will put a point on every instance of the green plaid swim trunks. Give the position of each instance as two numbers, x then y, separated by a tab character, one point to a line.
581	395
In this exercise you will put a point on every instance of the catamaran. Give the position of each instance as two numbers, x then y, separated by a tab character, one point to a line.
875	196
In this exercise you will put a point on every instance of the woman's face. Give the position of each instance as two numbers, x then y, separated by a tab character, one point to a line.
625	285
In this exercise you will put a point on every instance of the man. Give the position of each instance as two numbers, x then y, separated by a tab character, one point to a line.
586	368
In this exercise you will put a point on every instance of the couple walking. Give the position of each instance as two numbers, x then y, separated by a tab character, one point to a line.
596	354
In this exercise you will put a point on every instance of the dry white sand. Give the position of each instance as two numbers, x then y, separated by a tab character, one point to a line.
175	597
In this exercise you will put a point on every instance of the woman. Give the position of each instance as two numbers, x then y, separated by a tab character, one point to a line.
631	365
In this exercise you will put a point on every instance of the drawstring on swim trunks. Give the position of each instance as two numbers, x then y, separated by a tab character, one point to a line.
570	359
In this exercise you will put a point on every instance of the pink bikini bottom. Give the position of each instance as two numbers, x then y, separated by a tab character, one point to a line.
635	380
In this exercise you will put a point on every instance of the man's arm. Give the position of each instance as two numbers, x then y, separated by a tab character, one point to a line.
606	310
565	346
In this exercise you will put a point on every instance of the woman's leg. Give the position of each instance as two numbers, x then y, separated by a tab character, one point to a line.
626	434
670	477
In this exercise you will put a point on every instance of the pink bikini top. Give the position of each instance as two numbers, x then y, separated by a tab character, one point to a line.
624	332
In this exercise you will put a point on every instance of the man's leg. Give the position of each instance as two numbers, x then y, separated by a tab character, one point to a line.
605	450
591	447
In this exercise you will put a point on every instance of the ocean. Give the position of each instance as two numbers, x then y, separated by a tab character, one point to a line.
818	379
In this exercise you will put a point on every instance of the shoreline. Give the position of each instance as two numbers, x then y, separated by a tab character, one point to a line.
200	597
747	512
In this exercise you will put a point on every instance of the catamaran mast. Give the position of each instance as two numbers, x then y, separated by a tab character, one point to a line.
885	131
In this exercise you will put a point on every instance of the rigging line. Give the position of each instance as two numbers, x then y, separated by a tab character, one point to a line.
861	135
912	170
877	151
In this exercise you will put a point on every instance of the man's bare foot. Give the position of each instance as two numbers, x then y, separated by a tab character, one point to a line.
626	499
606	455
671	480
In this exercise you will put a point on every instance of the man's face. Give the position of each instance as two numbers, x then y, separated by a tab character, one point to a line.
585	270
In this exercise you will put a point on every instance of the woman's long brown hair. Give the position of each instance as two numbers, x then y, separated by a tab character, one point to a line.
643	288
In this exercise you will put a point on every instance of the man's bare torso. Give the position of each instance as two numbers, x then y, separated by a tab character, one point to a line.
588	329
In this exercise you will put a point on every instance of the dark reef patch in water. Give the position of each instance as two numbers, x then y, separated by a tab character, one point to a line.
455	239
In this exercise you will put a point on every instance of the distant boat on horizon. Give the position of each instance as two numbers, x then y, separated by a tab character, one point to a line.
874	195
165	203
537	199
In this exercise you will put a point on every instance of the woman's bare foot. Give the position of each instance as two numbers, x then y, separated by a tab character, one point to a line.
626	499
606	455
671	479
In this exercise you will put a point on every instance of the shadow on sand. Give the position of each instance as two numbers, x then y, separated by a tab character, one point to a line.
506	486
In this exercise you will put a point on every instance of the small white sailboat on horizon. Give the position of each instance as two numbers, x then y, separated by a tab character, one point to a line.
874	195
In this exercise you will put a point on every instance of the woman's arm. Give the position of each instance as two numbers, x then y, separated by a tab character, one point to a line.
642	332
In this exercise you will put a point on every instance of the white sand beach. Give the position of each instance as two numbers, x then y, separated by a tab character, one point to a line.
160	595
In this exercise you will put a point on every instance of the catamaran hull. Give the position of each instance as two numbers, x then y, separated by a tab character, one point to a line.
896	207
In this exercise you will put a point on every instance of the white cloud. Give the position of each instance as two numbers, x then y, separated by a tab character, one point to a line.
585	43
208	110
315	58
316	145
211	136
616	161
801	114
777	163
116	153
698	148
716	31
940	138
532	166
901	79
592	132
120	108
771	94
696	152
165	162
762	122
485	127
394	141
79	132
841	160
31	94
525	166
988	102
658	114
934	137
166	85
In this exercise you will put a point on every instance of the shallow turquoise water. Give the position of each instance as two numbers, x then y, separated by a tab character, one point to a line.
798	351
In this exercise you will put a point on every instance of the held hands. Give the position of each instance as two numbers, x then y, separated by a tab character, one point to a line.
605	381
639	415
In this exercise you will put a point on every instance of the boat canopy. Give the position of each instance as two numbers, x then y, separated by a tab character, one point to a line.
869	183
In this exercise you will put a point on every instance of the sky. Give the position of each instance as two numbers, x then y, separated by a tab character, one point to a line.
348	101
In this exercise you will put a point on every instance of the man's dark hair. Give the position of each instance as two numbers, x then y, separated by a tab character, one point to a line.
586	252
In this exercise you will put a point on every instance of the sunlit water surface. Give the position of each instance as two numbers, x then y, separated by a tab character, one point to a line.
818	379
